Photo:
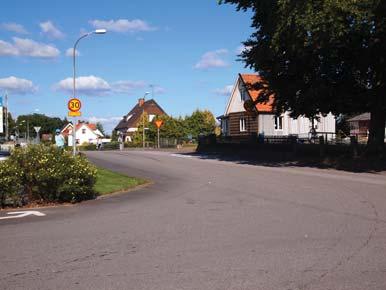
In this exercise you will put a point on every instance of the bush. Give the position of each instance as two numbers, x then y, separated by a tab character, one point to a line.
87	147
49	174
10	184
111	146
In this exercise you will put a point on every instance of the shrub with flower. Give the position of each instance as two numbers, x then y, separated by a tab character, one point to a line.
48	174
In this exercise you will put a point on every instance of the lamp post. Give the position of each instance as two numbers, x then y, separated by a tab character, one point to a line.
97	31
143	120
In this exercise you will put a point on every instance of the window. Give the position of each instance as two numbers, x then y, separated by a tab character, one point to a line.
279	123
243	126
151	117
224	123
243	93
83	131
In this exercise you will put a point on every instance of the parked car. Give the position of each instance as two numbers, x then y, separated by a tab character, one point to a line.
4	155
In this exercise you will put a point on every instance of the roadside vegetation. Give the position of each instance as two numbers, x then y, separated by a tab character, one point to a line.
39	174
109	182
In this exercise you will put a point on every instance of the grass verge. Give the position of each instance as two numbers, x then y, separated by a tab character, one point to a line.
109	182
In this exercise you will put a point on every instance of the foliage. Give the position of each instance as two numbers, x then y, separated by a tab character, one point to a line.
51	174
200	122
321	56
99	126
47	124
10	182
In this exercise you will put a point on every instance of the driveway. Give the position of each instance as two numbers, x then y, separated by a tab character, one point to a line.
206	224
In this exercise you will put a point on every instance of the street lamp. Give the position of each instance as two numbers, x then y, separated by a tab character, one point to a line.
97	31
143	120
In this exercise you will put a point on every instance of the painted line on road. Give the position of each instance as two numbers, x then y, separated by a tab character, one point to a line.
21	214
181	156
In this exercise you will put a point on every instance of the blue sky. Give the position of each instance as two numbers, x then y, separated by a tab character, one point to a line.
187	49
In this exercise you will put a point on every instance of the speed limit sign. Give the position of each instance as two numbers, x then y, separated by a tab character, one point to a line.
74	105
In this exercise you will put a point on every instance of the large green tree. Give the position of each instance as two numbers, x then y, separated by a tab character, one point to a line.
200	122
47	124
321	56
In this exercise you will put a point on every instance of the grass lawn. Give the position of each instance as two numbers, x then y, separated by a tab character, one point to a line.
109	181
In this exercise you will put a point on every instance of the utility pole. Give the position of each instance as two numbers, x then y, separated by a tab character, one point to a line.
152	90
6	125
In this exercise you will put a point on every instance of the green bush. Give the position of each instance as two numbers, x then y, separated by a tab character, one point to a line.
51	174
111	146
87	147
10	184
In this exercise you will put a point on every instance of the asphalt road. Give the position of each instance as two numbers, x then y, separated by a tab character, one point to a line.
206	224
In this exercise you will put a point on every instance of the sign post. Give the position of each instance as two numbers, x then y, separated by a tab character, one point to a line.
37	129
158	123
1	116
74	106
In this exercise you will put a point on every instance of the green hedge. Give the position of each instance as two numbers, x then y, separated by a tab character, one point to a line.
39	173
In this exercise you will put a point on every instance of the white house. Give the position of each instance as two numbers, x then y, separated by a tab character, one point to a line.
86	133
236	121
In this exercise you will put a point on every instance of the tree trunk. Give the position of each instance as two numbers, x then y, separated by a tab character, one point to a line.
376	141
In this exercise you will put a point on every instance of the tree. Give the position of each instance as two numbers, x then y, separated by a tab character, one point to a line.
100	127
321	56
200	122
47	124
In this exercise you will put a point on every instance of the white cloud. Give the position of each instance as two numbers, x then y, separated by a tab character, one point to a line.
108	123
212	59
96	86
28	47
86	85
70	50
51	30
127	87
17	86
122	25
225	91
14	27
159	90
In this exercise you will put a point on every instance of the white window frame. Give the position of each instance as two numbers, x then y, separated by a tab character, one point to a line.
243	124
279	123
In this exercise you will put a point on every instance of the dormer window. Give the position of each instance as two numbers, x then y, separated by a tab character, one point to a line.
243	93
128	117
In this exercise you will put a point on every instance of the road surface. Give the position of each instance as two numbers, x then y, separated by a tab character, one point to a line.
206	224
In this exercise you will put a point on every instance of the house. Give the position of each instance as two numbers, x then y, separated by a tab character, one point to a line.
86	133
360	124
129	123
236	121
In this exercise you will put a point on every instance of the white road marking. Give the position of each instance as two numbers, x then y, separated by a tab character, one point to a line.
181	156
20	214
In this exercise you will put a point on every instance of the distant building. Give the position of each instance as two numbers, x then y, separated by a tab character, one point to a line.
360	125
236	121
130	122
86	133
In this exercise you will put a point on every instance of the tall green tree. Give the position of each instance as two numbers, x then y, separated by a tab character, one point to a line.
47	124
200	122
321	56
100	127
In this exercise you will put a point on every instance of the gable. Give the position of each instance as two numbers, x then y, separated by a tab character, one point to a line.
235	104
131	119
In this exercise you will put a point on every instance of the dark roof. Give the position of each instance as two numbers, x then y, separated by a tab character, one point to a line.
361	117
151	108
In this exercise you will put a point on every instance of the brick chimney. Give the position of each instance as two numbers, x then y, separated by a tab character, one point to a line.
141	101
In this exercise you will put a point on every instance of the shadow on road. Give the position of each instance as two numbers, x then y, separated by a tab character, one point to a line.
368	165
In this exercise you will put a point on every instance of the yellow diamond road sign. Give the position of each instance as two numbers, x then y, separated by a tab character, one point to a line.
74	114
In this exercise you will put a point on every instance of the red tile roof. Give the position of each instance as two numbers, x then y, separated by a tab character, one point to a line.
67	129
252	79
